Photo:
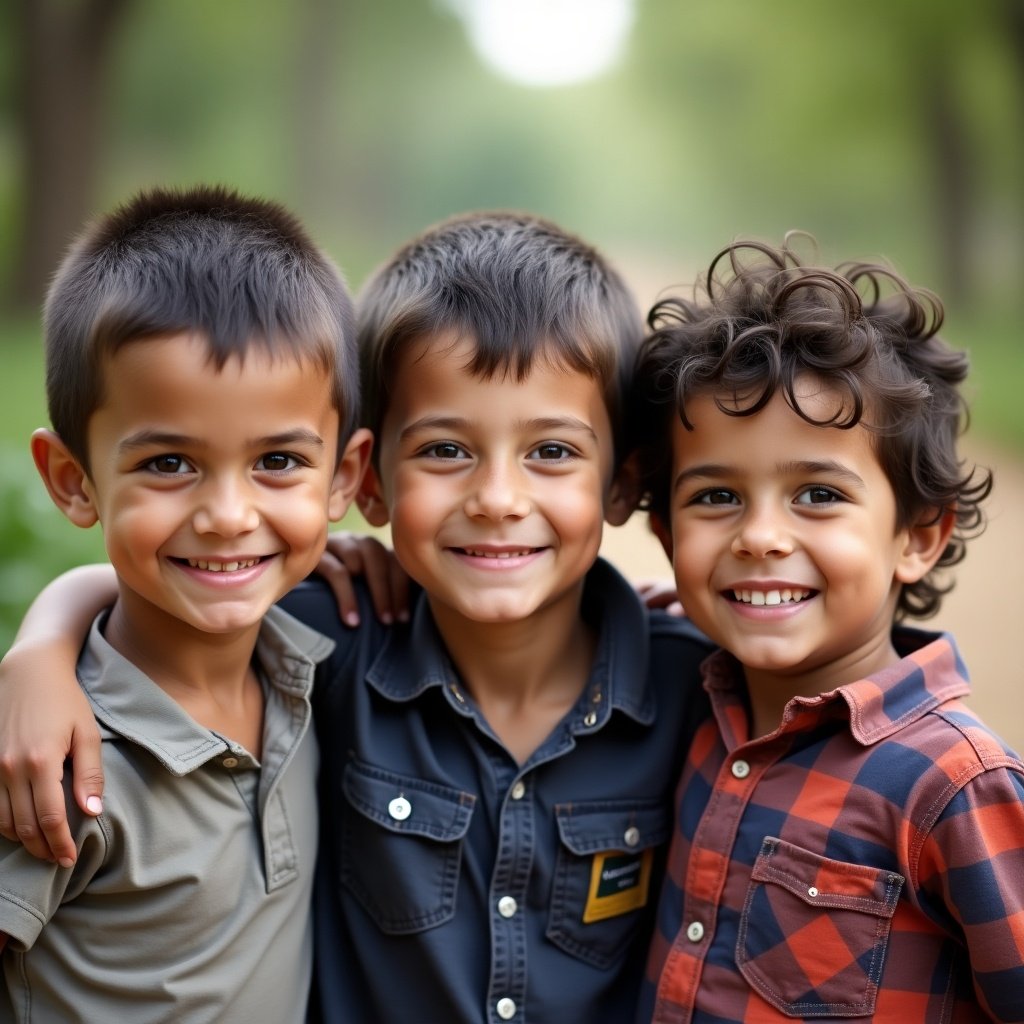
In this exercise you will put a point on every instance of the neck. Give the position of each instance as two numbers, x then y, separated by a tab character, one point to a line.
770	692
524	675
177	657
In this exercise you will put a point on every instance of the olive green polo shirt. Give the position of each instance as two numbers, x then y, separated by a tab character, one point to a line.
190	899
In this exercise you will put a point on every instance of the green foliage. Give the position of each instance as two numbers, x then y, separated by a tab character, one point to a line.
36	541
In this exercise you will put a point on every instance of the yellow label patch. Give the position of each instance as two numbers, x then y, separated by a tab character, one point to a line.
619	883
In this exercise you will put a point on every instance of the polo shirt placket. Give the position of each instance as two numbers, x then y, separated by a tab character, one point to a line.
199	871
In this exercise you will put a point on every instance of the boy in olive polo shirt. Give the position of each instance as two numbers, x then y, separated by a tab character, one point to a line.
200	379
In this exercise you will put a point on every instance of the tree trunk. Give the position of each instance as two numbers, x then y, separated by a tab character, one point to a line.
64	56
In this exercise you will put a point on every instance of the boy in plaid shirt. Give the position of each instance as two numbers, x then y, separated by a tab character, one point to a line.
850	837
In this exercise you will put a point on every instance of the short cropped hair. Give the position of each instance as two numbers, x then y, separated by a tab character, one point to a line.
518	287
236	271
760	319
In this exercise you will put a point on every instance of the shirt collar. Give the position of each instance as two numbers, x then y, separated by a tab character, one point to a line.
413	659
930	672
128	703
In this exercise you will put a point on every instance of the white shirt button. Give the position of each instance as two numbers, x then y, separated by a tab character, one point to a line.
399	808
506	1008
632	836
695	931
740	769
590	719
519	790
230	762
507	906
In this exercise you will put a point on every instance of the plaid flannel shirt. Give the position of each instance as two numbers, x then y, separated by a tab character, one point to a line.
864	860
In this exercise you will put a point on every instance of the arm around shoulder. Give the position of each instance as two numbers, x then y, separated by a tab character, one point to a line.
45	717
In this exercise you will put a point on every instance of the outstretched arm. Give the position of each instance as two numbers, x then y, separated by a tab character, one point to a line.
45	717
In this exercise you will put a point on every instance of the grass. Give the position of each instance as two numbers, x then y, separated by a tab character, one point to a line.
37	543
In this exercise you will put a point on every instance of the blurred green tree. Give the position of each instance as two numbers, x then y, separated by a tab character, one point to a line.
62	69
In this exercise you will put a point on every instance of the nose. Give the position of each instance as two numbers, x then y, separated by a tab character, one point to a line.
226	508
498	492
762	533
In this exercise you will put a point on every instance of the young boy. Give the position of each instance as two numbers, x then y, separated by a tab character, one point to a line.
850	838
201	386
496	776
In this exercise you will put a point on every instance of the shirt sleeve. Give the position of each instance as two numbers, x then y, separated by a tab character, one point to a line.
32	890
971	874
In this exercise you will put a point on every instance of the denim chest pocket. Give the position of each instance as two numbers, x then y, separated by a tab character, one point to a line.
603	875
401	847
814	932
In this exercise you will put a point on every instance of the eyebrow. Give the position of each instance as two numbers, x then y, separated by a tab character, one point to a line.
540	423
165	439
809	467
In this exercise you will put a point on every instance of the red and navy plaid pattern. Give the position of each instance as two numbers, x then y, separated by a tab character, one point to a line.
866	860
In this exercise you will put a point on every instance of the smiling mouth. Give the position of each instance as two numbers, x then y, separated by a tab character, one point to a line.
766	598
209	566
475	553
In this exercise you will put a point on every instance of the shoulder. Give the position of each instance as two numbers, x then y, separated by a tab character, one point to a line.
677	647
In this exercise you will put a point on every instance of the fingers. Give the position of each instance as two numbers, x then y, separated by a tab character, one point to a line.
333	570
399	582
33	806
660	594
87	770
376	565
350	555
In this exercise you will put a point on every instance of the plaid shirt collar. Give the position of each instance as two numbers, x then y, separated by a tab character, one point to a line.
931	671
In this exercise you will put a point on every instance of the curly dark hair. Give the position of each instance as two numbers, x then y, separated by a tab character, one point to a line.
760	319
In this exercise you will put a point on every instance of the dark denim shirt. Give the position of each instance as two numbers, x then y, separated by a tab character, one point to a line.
456	885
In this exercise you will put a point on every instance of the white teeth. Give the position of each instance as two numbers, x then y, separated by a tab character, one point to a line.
202	563
770	597
496	554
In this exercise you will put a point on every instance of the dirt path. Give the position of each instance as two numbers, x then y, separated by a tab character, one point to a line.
983	611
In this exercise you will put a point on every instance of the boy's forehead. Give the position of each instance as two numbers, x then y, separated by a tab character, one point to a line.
437	379
175	377
458	354
718	420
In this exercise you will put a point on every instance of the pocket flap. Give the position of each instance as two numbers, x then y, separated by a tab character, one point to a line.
402	804
626	825
822	882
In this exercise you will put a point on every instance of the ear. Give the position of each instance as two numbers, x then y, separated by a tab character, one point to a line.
623	492
370	499
923	546
65	480
349	473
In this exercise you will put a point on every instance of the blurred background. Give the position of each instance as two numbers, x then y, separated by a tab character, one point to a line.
657	129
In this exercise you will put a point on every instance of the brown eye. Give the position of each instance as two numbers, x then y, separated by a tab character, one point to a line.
169	465
715	496
552	451
276	462
818	495
444	450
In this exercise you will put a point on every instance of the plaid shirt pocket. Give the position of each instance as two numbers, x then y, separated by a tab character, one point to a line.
813	931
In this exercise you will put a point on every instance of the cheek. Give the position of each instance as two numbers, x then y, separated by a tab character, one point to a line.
299	515
582	502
